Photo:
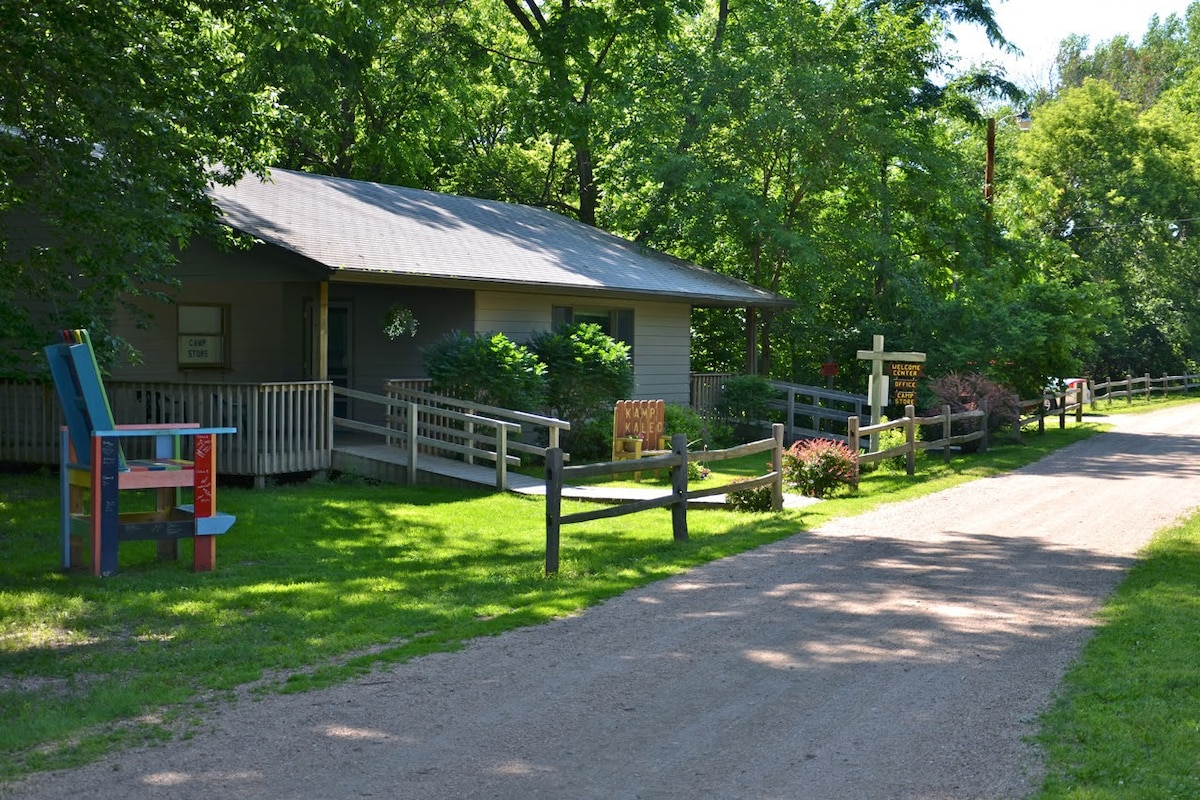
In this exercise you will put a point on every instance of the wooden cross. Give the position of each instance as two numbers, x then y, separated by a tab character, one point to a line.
877	390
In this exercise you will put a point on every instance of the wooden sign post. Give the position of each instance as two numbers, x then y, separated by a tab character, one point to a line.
877	389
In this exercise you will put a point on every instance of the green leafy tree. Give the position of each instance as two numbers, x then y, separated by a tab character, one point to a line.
807	155
115	117
579	52
1122	187
368	90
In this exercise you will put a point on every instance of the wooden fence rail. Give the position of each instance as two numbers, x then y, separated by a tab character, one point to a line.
1126	387
677	462
548	429
909	424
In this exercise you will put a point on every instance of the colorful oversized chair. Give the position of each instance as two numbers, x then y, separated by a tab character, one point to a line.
91	460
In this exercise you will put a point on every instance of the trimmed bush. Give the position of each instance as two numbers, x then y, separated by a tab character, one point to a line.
682	419
587	371
489	369
758	499
816	467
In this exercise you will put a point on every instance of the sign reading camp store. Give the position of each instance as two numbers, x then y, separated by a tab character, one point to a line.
904	381
877	387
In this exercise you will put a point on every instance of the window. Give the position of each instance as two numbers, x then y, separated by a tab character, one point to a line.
203	337
616	322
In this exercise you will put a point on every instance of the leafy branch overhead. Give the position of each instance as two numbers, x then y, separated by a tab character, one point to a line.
831	152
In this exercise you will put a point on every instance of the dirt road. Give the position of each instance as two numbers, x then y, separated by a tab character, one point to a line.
899	654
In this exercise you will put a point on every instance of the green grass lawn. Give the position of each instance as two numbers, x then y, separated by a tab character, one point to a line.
1127	720
322	581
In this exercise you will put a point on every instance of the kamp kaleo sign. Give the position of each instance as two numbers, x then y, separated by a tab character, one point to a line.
904	382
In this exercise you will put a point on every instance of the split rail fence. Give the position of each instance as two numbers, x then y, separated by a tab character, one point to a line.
909	424
557	474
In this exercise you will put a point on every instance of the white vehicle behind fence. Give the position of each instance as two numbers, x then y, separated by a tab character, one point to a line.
1071	387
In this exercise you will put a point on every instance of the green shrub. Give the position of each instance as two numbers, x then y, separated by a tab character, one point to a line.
489	369
745	399
757	499
893	437
683	419
587	371
590	440
816	467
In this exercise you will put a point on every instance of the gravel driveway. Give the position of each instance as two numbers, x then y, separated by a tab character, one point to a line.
903	653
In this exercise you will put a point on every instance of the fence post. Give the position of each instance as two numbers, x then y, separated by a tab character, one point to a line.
791	410
852	433
1147	387
501	457
984	443
469	437
777	467
1083	393
412	443
946	431
679	488
910	436
554	479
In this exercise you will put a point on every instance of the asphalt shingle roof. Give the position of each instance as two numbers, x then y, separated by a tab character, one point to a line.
355	226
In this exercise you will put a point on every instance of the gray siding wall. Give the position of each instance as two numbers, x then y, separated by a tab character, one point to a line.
377	358
257	344
265	334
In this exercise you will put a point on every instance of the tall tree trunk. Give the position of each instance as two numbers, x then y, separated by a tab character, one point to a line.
589	192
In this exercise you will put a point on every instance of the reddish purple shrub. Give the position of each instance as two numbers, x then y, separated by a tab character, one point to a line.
819	466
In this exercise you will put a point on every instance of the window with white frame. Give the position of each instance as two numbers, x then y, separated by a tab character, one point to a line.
203	336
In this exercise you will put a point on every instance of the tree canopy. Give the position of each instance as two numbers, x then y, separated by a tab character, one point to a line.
828	151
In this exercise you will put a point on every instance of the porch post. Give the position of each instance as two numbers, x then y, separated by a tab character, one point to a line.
751	340
322	331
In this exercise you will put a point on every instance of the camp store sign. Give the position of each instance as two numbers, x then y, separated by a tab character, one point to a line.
904	382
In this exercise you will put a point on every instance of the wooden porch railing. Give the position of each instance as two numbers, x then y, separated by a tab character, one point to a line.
282	427
541	432
417	427
807	411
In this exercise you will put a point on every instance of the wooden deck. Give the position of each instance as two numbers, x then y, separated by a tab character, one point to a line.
390	463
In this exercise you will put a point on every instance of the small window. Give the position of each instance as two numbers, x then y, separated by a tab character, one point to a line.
203	337
616	322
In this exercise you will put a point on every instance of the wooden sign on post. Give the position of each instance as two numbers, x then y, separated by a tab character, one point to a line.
877	389
904	382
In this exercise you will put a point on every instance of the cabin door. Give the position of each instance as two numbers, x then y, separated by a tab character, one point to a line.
341	348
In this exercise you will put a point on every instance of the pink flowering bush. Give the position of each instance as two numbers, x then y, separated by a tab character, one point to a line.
817	467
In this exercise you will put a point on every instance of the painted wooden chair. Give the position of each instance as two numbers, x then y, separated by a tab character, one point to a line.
92	461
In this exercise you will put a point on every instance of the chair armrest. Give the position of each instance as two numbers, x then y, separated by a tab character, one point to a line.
185	429
151	426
